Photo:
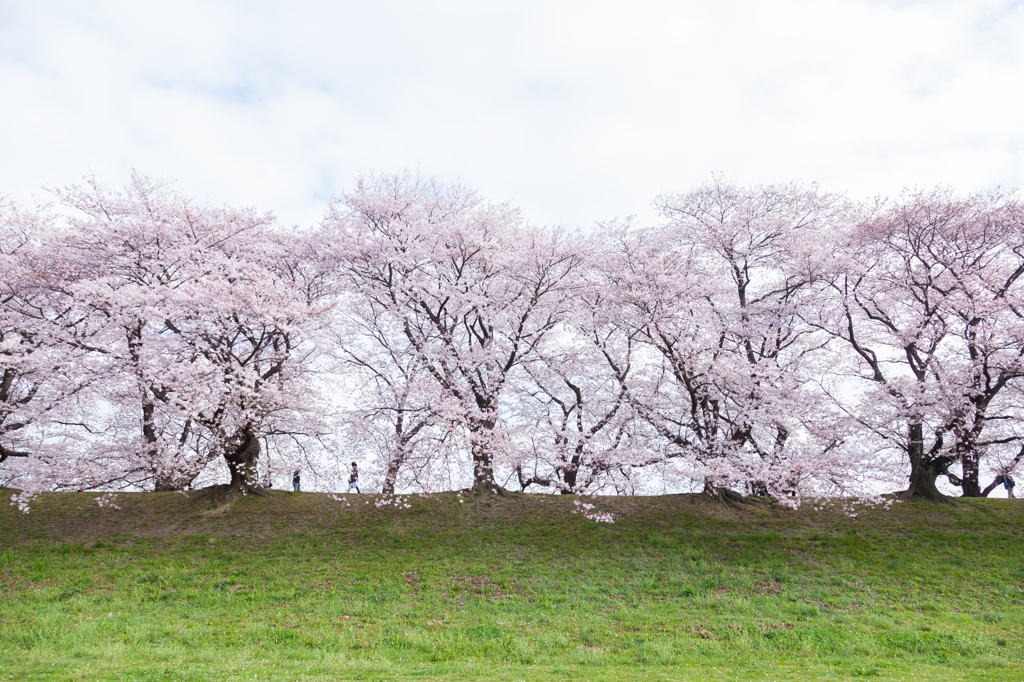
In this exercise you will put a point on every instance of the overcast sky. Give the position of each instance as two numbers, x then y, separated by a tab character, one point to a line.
577	111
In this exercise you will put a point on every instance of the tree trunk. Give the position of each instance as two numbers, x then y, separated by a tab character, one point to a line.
481	430
241	453
924	470
724	495
163	481
569	477
401	451
970	483
922	483
483	470
391	476
572	472
483	462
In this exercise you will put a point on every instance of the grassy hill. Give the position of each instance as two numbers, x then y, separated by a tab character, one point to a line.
312	587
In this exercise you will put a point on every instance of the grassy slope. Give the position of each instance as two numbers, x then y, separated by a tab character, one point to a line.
297	587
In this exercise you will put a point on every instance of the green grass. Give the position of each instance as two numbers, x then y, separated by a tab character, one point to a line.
302	587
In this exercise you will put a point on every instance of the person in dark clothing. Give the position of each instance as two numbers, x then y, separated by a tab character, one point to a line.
353	479
1008	483
295	481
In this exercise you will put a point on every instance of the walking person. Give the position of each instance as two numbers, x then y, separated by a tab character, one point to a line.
295	481
353	479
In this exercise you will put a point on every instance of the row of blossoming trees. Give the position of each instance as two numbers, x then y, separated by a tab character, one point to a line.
766	340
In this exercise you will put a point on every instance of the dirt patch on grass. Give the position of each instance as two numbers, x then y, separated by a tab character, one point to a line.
217	511
775	627
481	586
767	587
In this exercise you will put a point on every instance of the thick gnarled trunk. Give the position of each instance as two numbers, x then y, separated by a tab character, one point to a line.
481	432
925	468
723	495
241	453
398	457
922	483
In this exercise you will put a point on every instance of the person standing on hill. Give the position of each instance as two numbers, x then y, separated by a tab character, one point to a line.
353	479
1008	483
295	481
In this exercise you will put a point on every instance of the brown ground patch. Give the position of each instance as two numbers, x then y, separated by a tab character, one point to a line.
701	632
778	626
767	587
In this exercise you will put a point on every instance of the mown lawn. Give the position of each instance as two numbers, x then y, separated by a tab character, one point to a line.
303	586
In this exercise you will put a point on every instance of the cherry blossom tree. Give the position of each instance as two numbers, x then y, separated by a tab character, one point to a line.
45	340
927	300
472	288
394	402
212	308
714	294
20	340
581	433
579	429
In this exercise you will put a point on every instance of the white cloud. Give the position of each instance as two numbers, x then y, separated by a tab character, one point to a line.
578	111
